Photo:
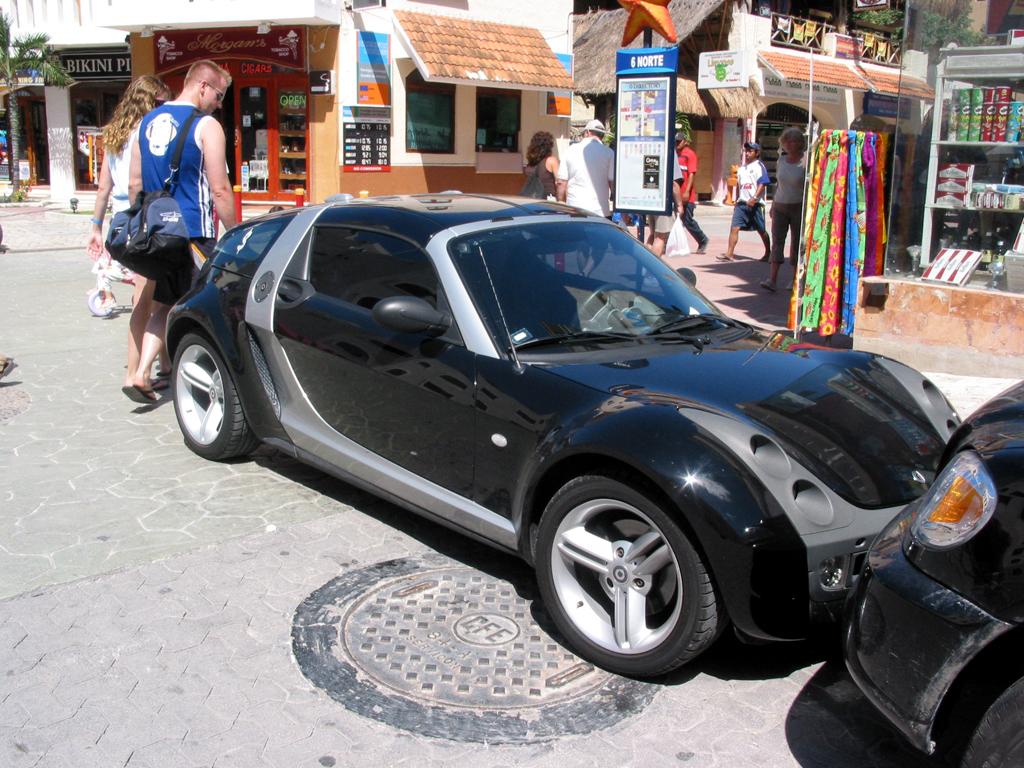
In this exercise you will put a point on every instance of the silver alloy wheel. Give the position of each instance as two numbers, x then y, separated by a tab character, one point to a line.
630	571
199	393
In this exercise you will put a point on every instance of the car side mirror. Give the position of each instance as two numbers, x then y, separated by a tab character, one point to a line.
688	275
410	314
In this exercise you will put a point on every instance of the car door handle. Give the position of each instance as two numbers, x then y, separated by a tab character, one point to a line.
292	291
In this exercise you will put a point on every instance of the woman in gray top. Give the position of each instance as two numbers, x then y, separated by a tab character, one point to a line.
787	205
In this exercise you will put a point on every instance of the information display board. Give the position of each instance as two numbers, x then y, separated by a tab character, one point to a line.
645	128
366	139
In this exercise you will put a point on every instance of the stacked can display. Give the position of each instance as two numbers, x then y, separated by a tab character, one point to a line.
984	114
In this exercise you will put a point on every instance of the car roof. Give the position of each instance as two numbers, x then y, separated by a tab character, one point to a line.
420	217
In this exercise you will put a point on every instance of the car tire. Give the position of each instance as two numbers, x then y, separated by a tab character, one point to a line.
206	402
606	550
998	741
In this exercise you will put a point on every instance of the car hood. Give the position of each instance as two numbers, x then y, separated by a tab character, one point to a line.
996	425
849	417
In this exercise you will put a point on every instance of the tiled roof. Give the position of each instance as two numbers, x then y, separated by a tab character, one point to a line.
888	81
827	71
451	48
847	74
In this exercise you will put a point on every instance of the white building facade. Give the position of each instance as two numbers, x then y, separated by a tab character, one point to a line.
327	96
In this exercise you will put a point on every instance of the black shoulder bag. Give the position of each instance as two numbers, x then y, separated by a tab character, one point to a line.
151	237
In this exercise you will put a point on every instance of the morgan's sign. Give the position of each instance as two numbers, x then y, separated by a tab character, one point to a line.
284	46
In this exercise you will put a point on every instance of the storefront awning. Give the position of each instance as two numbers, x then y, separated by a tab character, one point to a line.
450	49
827	71
729	103
891	83
855	75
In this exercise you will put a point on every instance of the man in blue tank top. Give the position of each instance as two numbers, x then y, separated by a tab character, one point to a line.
202	186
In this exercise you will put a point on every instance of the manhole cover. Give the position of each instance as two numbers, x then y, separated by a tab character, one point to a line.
443	650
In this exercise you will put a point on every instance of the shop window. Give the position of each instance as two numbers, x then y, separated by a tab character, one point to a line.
497	120
429	115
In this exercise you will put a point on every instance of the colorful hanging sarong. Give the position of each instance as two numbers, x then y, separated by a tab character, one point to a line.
818	247
882	161
828	321
816	167
854	232
871	265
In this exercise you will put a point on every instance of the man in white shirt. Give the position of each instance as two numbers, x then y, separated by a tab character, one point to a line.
587	172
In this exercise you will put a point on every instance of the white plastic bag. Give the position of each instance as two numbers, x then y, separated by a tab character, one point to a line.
677	244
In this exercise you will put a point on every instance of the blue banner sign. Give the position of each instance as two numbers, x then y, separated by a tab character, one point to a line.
646	61
645	110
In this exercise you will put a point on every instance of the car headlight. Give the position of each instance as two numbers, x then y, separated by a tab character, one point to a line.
959	503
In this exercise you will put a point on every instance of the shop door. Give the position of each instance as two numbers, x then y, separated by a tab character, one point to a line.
770	125
270	152
34	145
254	143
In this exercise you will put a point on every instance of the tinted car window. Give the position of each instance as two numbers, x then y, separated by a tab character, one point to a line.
241	249
362	267
562	277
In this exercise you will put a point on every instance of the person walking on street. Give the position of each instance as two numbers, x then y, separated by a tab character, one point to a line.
587	173
202	186
542	165
748	213
688	164
658	227
787	204
119	136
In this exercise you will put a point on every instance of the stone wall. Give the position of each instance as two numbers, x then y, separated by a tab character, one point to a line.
968	331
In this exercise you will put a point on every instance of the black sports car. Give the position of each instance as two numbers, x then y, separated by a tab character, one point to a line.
936	621
530	375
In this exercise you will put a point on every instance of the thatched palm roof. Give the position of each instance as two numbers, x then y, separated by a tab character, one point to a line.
598	34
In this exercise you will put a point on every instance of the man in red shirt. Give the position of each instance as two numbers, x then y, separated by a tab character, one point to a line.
688	164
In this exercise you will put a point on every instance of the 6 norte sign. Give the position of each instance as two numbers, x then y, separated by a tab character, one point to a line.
645	123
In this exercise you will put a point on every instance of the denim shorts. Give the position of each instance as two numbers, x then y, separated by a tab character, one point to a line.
747	218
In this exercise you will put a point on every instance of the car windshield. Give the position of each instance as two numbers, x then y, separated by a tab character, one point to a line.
574	281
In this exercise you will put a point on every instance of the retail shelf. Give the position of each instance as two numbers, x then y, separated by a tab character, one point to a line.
947	143
940	207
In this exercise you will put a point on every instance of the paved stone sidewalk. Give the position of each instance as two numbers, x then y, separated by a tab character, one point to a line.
151	594
187	662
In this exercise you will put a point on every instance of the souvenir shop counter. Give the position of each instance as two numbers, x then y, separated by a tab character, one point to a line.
968	330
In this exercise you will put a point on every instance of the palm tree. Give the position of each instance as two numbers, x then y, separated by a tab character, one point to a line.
19	57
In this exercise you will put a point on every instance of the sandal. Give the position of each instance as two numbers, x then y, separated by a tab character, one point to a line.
7	365
139	394
768	285
723	257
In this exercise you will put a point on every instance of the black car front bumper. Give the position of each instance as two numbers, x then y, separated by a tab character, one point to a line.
907	637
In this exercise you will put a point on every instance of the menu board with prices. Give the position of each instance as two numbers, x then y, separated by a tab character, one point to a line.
367	139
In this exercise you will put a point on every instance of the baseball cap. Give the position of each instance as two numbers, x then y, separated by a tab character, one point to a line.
596	126
682	136
752	145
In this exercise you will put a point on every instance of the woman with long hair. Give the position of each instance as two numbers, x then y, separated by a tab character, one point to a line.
541	162
118	137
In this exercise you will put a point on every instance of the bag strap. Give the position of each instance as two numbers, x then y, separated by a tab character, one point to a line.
179	147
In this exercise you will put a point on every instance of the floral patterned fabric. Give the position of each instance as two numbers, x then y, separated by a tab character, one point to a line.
844	229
